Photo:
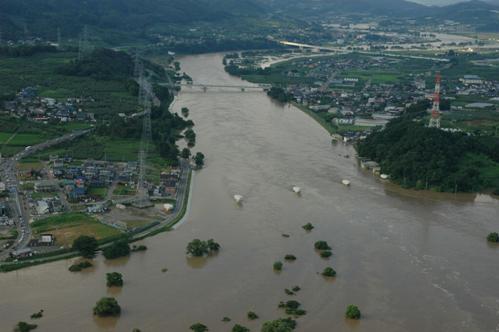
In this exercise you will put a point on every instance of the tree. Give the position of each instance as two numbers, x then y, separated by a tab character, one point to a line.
86	245
279	325
107	306
326	254
212	245
329	272
117	249
252	315
199	159
114	279
493	237
197	248
198	327
25	327
185	112
352	312
308	227
322	245
80	266
240	328
186	153
278	266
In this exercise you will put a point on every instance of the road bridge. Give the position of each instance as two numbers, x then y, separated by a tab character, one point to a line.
341	50
217	87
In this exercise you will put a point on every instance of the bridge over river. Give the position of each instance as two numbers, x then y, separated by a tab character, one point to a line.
219	87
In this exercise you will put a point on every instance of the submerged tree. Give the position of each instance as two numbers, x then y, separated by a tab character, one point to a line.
352	312
107	306
85	245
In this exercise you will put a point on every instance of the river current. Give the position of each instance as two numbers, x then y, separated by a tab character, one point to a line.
411	261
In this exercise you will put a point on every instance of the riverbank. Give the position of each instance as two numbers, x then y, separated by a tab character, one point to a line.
154	229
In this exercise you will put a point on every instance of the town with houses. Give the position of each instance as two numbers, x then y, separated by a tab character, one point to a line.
354	94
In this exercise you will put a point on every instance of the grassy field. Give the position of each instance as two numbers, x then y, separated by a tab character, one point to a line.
122	190
67	227
99	193
16	134
486	121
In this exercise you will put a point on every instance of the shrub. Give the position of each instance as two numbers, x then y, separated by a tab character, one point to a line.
117	249
322	245
240	328
326	254
114	279
139	248
493	237
37	315
352	312
288	292
329	272
292	307
25	327
252	316
278	266
279	325
198	327
213	246
296	289
290	257
107	306
199	248
80	266
308	227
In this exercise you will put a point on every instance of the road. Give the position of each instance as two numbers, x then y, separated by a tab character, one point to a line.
9	174
345	50
181	204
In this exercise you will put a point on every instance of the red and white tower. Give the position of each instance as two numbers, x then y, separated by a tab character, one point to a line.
435	111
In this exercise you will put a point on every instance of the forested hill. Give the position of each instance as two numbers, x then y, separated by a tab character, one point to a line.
44	17
132	20
373	7
426	158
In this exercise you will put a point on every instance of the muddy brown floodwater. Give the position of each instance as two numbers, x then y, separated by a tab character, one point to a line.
411	261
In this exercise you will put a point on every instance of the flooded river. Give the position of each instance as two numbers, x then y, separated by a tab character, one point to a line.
410	261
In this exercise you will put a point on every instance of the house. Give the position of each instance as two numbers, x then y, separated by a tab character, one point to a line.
42	207
3	209
45	240
46	185
97	208
471	80
344	121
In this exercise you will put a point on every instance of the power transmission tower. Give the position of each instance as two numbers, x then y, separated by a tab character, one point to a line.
435	111
83	46
59	39
145	99
26	33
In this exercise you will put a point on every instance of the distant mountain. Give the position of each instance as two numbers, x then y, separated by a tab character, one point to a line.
376	7
484	16
128	21
43	17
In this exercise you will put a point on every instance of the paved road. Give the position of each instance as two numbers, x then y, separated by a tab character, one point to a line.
182	201
9	175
